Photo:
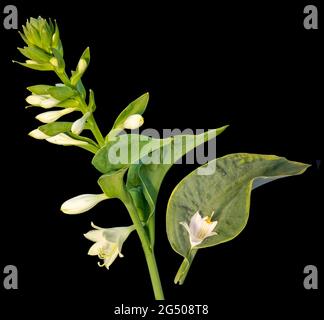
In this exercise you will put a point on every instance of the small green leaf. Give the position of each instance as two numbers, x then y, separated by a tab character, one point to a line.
81	89
225	192
61	93
138	106
112	184
54	128
37	66
61	64
92	101
39	89
35	54
69	103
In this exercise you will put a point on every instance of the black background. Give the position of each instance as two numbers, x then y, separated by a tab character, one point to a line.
251	65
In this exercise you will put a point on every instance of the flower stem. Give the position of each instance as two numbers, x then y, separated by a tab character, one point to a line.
148	250
96	131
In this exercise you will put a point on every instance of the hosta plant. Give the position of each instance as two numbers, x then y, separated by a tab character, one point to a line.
208	207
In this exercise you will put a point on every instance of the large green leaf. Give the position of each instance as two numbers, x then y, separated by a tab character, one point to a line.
227	193
144	180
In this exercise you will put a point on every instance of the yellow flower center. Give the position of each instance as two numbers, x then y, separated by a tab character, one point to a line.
209	218
102	254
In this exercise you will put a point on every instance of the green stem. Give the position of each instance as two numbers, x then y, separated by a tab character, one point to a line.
184	268
148	250
96	131
63	77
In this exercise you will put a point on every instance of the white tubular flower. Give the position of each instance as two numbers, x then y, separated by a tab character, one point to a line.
78	125
65	140
44	101
82	66
133	122
82	203
35	99
49	103
38	134
51	116
108	243
200	228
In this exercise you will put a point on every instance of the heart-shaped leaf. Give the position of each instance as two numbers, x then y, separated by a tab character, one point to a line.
226	192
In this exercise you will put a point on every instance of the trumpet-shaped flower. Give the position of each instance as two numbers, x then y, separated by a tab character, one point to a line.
38	134
82	203
78	125
108	243
133	122
65	140
51	116
200	228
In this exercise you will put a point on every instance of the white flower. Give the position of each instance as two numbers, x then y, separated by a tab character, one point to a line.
82	203
108	242
133	122
200	228
64	140
38	134
44	101
51	116
35	99
82	66
79	124
49	103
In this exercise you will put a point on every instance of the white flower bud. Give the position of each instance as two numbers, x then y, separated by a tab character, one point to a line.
82	66
64	140
51	116
35	100
133	122
79	124
82	203
49	103
38	134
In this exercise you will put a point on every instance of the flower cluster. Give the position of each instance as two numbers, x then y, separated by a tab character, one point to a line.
44	52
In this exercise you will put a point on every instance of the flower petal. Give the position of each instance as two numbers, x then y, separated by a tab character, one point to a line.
95	249
95	236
